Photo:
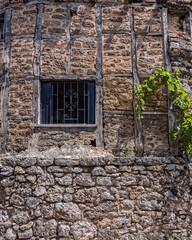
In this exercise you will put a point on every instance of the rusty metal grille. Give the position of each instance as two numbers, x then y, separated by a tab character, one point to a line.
68	102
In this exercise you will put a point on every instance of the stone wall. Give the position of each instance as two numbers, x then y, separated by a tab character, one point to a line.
114	43
94	198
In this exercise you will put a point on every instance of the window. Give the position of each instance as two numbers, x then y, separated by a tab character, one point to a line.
68	102
2	35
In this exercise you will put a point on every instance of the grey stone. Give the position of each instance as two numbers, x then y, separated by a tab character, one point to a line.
10	234
7	182
104	181
68	211
84	179
27	161
35	170
111	169
26	226
17	200
66	180
21	217
98	171
54	194
83	230
66	162
63	230
77	170
39	191
106	196
68	197
122	161
128	179
26	234
45	162
6	171
33	202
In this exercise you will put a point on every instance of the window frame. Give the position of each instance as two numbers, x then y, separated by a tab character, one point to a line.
65	125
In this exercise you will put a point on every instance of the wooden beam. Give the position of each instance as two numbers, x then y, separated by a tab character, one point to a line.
139	147
5	84
68	77
172	121
190	19
36	65
99	82
68	40
52	36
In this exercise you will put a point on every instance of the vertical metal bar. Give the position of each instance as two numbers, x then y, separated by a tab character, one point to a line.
88	101
70	99
84	101
77	101
64	100
139	147
57	102
51	105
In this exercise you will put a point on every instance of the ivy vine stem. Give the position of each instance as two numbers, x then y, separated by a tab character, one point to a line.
181	104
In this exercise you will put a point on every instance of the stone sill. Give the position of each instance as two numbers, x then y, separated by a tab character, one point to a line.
64	125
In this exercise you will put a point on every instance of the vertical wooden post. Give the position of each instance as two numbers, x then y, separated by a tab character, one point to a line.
68	40
139	148
171	116
36	65
99	81
5	85
190	19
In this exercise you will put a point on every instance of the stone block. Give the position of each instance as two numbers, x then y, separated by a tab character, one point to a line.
83	21
149	54
117	54
54	20
83	57
23	20
147	19
119	134
115	18
53	57
118	93
22	54
155	134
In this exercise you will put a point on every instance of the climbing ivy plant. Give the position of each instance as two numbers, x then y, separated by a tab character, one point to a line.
181	104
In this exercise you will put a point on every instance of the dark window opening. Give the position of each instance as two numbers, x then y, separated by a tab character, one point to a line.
2	32
68	102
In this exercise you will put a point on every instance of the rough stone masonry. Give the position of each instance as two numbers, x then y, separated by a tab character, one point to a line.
117	179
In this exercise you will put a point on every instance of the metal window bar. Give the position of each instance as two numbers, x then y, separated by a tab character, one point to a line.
51	110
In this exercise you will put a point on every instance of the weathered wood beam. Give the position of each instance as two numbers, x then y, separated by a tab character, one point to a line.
190	19
149	34
22	36
68	57
172	121
131	112
99	81
83	38
68	77
51	36
5	84
118	75
36	65
139	148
